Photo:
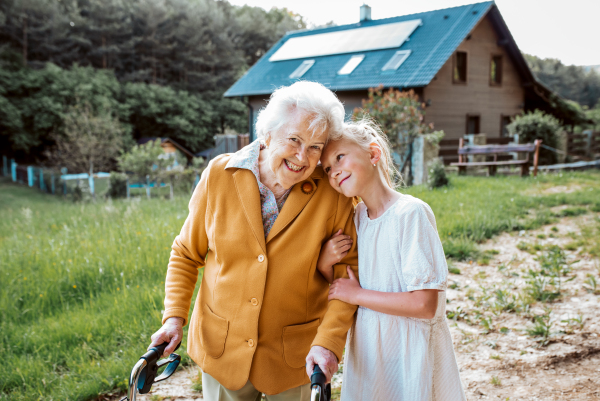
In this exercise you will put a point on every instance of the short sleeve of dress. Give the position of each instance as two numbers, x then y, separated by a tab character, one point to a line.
422	258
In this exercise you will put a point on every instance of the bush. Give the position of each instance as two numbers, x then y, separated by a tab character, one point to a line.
537	125
437	175
117	185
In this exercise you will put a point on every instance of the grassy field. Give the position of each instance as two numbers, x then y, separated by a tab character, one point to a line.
82	283
82	290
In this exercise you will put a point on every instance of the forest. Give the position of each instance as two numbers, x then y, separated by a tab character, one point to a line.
157	67
160	66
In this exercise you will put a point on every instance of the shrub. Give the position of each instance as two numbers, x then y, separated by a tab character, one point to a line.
437	175
537	125
117	185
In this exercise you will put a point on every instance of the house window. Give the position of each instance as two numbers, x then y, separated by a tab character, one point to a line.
504	121
496	70
396	61
472	124
351	64
459	75
302	68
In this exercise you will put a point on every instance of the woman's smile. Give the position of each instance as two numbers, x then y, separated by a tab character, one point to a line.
293	167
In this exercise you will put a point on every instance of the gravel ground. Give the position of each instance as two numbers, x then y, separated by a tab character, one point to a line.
498	359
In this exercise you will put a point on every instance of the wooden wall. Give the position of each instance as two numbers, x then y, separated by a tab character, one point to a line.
450	103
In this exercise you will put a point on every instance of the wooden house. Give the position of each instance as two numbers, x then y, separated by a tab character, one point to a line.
169	146
462	62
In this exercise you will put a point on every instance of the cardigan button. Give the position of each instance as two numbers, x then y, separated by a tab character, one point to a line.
261	258
251	343
254	301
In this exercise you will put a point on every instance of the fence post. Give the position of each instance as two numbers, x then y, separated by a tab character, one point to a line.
64	172
42	183
30	176
148	186
91	182
4	166
127	187
52	182
13	170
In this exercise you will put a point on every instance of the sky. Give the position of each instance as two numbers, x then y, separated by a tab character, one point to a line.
562	29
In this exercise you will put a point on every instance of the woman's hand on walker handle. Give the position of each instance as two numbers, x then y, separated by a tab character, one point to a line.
332	252
345	289
171	332
326	360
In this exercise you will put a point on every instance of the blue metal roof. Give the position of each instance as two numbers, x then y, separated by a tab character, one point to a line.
431	45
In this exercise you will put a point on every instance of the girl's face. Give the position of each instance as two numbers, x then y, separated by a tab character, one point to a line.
349	167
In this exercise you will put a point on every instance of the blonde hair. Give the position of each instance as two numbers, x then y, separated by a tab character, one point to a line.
364	132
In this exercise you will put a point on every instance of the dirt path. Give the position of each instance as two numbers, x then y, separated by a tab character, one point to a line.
498	359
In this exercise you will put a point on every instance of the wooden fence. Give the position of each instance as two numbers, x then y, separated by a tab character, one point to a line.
449	149
583	146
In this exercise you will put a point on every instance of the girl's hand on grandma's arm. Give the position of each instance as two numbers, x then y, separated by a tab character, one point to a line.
346	289
332	252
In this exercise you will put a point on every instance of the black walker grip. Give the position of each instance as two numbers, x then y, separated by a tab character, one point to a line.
318	378
148	375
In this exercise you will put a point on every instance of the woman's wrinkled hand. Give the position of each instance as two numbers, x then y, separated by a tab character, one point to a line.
326	360
171	332
346	289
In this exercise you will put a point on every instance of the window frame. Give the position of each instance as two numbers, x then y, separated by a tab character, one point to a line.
469	115
405	55
359	57
494	83
454	66
502	117
304	64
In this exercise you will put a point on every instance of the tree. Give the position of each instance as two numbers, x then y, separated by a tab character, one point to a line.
88	142
400	114
145	160
160	111
402	118
571	82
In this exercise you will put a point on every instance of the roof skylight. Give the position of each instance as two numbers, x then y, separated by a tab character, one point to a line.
302	68
351	64
396	60
384	36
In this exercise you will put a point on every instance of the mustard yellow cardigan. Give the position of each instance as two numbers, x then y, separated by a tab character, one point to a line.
262	303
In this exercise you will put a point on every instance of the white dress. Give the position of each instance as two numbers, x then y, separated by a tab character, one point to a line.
393	357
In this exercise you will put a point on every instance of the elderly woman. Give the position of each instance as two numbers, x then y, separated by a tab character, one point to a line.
256	223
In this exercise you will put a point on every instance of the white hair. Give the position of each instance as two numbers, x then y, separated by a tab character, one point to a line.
325	111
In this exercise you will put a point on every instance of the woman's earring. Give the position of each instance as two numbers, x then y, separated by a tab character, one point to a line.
374	165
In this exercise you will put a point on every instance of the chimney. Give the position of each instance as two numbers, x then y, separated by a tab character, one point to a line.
365	13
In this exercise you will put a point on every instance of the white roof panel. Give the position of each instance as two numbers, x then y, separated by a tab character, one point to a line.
385	36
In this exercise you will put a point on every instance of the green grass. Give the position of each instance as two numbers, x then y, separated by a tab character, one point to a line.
82	283
473	209
82	290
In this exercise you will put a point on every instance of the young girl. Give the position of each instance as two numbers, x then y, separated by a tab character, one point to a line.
399	347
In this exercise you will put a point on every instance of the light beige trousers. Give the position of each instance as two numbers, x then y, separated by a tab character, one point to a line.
212	390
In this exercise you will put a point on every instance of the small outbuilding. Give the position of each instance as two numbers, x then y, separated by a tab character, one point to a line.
169	146
462	62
